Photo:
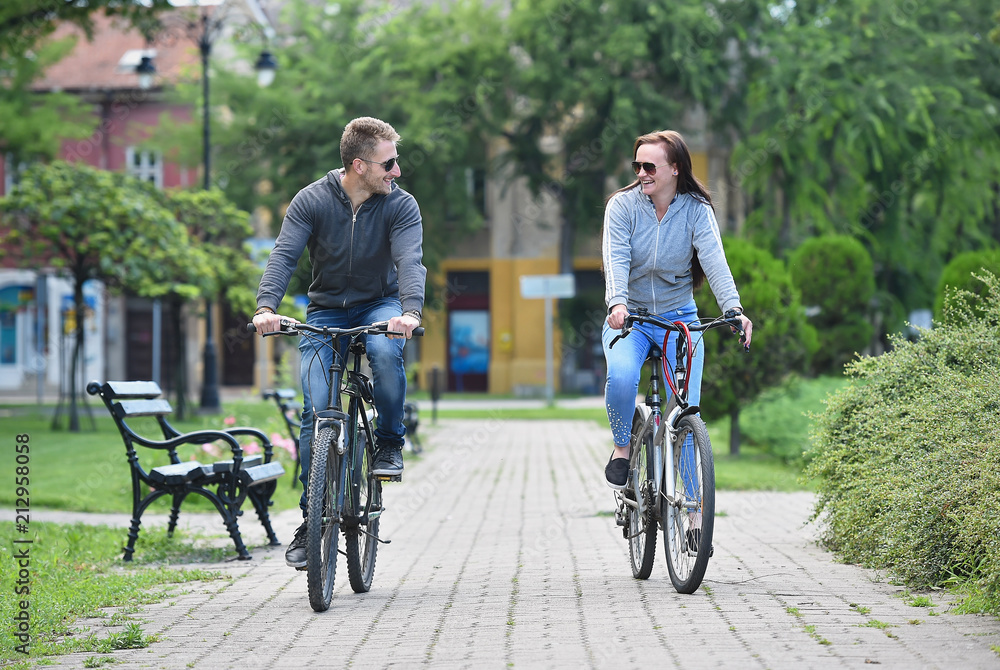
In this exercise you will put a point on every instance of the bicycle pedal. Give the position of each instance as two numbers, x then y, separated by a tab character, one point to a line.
389	478
304	568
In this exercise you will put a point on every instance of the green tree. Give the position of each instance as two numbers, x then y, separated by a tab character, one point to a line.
429	71
34	125
216	263
876	120
23	23
782	339
834	274
590	77
92	224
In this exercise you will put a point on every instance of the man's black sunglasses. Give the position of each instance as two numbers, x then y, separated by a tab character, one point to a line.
387	166
648	167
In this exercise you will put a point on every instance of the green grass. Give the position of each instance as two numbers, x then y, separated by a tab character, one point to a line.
75	573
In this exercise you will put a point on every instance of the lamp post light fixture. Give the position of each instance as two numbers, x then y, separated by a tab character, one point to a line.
266	67
204	33
145	69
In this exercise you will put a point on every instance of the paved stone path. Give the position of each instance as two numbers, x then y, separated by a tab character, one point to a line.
505	554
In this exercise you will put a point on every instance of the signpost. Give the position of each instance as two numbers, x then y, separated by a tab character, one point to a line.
548	287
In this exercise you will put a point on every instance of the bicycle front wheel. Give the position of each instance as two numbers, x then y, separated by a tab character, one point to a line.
322	518
361	536
641	528
689	517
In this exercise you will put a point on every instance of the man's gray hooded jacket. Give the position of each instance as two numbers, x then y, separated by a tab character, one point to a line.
357	257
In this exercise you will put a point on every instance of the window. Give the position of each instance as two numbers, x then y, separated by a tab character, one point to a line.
475	186
11	173
146	165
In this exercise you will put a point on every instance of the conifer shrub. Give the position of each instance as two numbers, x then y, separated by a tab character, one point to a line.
836	276
908	459
960	273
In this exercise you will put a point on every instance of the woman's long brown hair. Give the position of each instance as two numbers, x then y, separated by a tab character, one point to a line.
679	155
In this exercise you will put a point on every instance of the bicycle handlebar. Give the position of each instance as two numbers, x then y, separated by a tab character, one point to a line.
291	328
729	319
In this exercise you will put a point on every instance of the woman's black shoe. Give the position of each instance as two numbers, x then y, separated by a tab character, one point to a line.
616	472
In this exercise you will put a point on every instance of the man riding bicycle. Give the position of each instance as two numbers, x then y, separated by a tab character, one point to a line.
365	235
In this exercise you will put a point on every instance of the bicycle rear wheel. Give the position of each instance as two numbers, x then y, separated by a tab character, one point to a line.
322	518
361	536
689	519
641	527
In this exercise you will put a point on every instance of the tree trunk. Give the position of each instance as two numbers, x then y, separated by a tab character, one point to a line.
180	359
734	432
80	311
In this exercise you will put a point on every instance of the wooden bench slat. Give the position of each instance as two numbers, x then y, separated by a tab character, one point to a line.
259	474
118	390
177	473
133	408
227	466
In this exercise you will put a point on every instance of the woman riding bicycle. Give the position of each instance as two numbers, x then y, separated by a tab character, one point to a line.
660	242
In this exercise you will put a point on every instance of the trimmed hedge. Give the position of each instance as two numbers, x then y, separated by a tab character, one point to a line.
908	459
960	273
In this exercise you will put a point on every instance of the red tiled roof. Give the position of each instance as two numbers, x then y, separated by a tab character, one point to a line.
94	64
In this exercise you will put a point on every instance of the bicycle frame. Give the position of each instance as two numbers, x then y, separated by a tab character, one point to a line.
360	413
663	456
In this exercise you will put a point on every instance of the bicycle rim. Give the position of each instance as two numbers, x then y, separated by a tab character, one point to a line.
641	526
322	519
689	522
361	540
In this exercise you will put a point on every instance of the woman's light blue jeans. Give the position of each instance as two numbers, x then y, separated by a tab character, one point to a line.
625	367
389	376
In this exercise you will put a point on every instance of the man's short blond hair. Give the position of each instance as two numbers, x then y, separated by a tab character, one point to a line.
362	136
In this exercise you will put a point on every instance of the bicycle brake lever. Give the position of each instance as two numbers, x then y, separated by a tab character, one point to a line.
624	334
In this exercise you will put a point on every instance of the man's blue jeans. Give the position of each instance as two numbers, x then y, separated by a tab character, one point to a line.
389	376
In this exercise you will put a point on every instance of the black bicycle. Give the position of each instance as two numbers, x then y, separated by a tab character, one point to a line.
671	481
343	493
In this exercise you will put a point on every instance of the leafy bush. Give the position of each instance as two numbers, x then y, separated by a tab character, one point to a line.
908	460
959	274
835	274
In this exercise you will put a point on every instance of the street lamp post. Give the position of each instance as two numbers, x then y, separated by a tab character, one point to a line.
265	66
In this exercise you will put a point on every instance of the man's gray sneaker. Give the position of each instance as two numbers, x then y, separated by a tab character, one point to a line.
295	555
388	462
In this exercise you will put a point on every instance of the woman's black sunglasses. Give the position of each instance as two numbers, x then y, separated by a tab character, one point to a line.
648	167
387	166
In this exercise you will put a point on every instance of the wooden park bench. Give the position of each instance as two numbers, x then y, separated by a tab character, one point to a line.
233	480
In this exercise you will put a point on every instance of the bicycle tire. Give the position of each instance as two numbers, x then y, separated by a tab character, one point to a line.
361	537
641	527
322	519
688	524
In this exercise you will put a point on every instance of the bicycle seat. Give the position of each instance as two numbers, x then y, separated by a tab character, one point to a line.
655	353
